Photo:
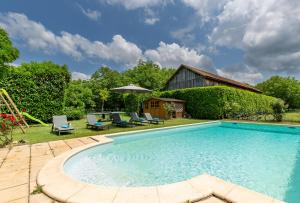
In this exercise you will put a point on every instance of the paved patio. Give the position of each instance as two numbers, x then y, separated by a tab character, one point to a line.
20	165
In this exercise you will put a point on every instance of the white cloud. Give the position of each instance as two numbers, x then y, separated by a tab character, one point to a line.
206	9
37	37
91	14
150	17
241	73
151	21
267	31
134	4
172	55
80	76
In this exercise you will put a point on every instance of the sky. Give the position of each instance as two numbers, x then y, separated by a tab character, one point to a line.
246	40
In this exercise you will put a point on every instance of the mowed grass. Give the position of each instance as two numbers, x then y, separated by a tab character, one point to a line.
292	116
38	133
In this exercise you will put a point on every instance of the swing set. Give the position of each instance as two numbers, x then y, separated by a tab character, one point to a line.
5	100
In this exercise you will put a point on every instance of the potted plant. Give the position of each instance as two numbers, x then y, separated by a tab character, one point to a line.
170	109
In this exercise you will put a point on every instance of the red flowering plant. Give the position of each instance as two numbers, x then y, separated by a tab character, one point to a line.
7	123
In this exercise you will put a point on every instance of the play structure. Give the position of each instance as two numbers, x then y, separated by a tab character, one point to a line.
5	100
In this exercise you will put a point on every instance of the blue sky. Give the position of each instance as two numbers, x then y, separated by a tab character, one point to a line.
247	40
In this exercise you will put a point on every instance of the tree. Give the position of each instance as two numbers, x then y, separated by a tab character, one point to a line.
149	75
106	78
285	88
79	95
8	53
104	95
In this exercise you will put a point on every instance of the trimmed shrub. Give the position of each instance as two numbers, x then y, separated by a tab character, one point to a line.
217	102
278	110
38	88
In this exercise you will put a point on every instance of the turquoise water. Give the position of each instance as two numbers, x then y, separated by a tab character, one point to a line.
263	158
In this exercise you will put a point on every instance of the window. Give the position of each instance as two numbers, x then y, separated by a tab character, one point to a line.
152	104
156	104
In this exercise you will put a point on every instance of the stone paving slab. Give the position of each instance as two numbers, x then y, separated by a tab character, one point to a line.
73	143
14	193
58	147
86	140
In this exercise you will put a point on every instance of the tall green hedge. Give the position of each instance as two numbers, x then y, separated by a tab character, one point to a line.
38	87
217	102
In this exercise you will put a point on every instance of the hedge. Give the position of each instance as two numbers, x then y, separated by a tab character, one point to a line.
217	102
38	88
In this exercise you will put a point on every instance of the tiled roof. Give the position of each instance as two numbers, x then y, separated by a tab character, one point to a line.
217	78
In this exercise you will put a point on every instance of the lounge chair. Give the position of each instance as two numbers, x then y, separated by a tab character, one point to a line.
136	119
93	123
116	120
60	124
153	120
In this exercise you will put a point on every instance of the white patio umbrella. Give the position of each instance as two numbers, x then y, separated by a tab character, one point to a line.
131	89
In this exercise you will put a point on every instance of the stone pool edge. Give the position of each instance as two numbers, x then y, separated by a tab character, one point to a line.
59	186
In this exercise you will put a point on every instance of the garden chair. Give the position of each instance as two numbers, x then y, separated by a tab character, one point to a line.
136	119
116	119
153	120
93	123
60	124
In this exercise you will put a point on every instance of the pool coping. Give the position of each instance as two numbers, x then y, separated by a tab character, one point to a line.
61	187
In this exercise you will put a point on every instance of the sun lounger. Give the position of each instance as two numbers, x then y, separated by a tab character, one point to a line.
136	119
93	123
153	120
60	124
116	120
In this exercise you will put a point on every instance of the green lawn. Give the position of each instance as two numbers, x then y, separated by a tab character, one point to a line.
288	117
292	116
38	133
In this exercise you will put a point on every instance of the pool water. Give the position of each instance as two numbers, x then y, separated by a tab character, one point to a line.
263	158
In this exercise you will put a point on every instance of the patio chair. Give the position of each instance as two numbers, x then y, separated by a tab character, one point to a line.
116	120
60	124
153	120
136	119
93	123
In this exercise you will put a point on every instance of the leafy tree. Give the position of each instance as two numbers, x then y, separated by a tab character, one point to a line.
8	53
79	95
104	95
285	88
106	78
149	75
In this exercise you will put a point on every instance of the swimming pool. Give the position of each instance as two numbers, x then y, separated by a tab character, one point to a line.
264	158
